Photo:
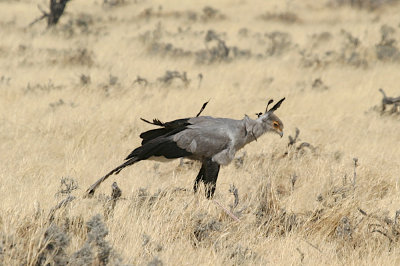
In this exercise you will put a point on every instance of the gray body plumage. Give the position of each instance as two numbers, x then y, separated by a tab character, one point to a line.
218	138
212	141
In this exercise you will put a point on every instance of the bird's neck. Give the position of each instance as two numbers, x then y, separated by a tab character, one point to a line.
254	129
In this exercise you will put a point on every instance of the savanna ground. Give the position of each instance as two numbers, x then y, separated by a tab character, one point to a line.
70	101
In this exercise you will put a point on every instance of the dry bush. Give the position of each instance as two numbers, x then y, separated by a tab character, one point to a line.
80	24
169	76
386	49
394	101
285	17
364	4
80	56
47	236
216	50
208	14
280	42
42	88
351	53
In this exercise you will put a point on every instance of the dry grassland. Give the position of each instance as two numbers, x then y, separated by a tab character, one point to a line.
71	99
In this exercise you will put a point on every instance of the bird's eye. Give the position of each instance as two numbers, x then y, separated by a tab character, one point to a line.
276	124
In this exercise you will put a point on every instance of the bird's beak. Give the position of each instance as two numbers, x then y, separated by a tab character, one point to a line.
279	131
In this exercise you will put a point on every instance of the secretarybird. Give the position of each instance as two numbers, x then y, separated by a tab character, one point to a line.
212	141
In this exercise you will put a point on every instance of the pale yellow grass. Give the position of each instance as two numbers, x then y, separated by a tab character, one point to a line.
95	128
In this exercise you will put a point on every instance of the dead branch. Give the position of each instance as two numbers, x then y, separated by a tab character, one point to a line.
141	81
396	217
170	75
292	141
389	100
61	204
226	211
362	212
300	148
293	180
305	145
57	8
355	173
301	255
234	191
312	245
67	186
383	233
221	51
200	76
44	15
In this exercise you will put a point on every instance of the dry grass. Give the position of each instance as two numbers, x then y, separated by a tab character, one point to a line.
70	101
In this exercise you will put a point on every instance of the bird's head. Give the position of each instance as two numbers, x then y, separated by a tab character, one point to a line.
270	121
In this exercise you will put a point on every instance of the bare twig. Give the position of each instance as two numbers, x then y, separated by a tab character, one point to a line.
362	212
382	233
234	191
61	204
141	81
293	180
299	149
396	217
43	11
389	100
355	173
67	186
292	141
44	15
226	211
170	75
301	255
56	10
200	76
312	245
305	145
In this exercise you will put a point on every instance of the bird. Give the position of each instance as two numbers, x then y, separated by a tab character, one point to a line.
212	141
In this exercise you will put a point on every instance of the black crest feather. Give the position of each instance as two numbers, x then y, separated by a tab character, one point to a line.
269	102
276	106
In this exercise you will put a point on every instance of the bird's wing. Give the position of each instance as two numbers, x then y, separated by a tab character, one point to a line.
166	128
206	136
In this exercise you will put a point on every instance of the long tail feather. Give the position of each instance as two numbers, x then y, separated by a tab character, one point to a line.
90	191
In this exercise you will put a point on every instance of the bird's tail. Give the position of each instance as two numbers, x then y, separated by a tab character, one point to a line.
90	191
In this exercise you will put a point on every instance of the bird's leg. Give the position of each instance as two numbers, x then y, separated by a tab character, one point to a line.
199	178
210	177
208	174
